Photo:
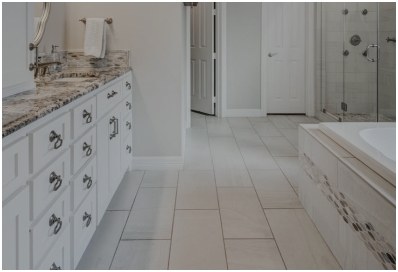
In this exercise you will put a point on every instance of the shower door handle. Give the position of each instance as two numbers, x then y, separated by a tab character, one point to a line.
367	52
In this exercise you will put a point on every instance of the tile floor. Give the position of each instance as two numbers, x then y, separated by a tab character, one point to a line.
233	206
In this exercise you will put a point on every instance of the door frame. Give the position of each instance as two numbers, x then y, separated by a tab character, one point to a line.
309	59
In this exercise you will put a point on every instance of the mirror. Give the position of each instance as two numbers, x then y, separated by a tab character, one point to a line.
40	26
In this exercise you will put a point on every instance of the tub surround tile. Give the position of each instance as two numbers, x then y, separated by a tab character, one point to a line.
24	108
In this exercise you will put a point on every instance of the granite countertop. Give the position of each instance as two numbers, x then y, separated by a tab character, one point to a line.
24	108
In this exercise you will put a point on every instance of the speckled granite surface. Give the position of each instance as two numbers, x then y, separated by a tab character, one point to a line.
24	108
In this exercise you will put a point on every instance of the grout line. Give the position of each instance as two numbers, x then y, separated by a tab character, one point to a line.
121	235
218	201
258	199
174	215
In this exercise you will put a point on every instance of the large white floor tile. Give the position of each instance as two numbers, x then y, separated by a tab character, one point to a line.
196	190
258	157
279	146
218	126
197	241
232	177
161	178
239	122
258	119
198	121
300	243
225	153
241	214
250	254
152	214
197	150
266	129
302	119
124	197
142	254
291	134
247	137
274	190
102	247
281	121
292	169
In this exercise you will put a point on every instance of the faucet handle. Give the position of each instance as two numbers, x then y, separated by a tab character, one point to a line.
54	48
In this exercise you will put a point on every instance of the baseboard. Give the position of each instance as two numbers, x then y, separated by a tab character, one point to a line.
158	163
244	113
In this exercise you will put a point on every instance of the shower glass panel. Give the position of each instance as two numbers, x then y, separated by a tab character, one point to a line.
358	64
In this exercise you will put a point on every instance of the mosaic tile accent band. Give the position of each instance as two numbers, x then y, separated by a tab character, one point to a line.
352	215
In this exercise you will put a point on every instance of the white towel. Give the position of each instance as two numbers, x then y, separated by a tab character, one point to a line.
36	22
95	37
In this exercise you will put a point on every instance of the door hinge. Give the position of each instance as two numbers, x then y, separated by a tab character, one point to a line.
214	55
343	106
214	100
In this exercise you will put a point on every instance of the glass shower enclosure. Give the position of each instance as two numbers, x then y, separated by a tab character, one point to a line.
358	61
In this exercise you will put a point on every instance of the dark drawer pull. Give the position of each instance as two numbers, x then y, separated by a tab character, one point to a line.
128	125
55	220
87	148
112	94
87	217
128	148
128	85
128	105
57	138
87	116
55	267
57	178
89	181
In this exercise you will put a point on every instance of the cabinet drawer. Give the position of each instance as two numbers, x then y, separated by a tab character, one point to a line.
59	255
84	182
83	117
84	149
16	232
127	106
48	141
49	183
127	83
108	98
84	224
15	166
50	227
126	126
127	152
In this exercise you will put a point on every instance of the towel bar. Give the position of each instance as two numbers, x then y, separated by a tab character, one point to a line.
107	20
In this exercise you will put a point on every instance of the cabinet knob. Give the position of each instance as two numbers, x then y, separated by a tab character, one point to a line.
87	218
87	116
87	148
128	85
57	138
57	221
128	105
89	181
55	267
112	94
128	148
57	179
128	125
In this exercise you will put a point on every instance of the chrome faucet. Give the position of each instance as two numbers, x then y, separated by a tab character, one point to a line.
42	68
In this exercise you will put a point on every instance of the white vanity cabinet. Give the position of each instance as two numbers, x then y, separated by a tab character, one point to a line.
59	178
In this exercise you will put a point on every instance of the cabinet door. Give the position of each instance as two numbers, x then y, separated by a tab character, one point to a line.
103	132
114	152
16	232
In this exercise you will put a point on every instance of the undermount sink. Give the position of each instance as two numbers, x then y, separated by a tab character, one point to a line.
71	79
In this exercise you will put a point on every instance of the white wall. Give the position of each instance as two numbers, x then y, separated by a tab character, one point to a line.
243	55
154	33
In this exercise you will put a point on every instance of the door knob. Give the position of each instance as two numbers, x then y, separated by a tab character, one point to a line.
272	54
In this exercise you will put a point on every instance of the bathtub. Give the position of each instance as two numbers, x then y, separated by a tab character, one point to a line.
372	143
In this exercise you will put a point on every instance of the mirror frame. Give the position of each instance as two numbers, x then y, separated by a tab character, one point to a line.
41	26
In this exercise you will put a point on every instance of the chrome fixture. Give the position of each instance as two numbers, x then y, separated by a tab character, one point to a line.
364	11
355	40
390	39
107	20
345	11
272	54
346	53
367	50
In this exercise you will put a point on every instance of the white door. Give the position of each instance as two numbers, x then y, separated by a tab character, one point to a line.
202	77
284	36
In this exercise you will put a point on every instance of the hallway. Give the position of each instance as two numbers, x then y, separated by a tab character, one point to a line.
233	206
